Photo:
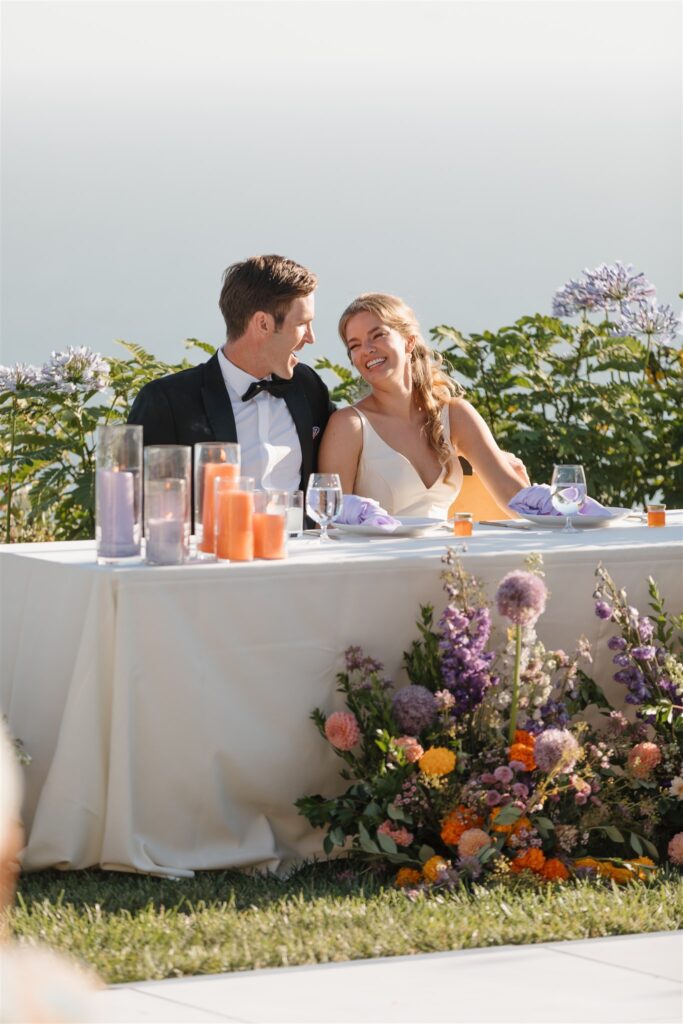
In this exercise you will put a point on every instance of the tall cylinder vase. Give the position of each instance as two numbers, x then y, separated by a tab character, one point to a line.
118	492
167	503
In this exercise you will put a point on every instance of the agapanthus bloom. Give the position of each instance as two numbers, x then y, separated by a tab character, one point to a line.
77	367
615	284
521	597
644	758
472	841
675	849
556	748
342	730
19	377
658	323
575	297
414	709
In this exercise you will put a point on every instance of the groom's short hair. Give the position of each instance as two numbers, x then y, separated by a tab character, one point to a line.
266	284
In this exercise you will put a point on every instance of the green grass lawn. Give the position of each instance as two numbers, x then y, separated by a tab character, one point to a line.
133	927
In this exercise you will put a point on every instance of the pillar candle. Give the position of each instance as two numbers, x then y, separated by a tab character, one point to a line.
269	535
212	471
116	514
240	526
165	541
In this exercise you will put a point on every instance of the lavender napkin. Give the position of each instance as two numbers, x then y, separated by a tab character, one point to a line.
535	501
357	511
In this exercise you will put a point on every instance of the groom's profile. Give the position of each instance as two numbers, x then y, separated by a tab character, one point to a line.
253	390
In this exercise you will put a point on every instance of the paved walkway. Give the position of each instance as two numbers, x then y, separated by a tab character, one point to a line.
633	978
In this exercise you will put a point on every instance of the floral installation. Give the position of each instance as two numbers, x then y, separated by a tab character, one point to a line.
485	767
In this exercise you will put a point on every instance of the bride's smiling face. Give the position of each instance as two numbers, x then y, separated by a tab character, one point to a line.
376	350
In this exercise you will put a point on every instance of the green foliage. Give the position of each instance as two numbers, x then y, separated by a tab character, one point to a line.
556	392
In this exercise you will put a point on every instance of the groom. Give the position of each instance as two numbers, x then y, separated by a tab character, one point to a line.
253	390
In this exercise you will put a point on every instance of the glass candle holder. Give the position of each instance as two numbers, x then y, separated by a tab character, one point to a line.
270	524
295	513
462	524
234	518
118	492
212	459
170	465
656	514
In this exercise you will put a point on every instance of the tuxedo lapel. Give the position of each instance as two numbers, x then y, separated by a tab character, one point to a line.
300	411
217	403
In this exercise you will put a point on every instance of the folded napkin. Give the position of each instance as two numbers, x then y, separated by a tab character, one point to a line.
357	511
536	501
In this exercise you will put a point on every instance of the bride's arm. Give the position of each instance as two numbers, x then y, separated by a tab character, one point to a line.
341	446
502	474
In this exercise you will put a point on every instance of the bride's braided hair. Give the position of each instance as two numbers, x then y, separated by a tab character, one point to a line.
432	387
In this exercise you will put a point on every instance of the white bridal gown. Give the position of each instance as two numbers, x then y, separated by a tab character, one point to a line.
392	480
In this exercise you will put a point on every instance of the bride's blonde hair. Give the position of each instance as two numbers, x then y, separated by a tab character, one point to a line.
432	386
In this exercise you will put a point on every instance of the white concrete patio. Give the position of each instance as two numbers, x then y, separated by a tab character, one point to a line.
636	978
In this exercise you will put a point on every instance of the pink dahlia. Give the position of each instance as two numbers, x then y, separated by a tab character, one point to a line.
341	729
643	758
676	849
521	597
472	841
410	746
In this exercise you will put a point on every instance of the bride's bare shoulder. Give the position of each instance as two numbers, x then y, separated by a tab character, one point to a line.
344	426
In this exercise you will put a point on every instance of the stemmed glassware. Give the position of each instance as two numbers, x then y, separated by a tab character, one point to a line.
324	500
568	493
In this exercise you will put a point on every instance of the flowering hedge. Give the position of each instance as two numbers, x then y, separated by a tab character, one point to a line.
485	765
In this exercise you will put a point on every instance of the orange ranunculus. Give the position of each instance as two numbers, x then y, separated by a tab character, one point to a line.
457	822
432	868
407	876
554	870
532	859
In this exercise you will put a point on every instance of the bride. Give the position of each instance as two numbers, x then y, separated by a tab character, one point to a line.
400	444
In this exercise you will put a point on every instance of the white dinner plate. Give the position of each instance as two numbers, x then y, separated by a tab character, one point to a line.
411	526
606	518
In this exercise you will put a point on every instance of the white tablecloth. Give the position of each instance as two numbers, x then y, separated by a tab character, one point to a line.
166	709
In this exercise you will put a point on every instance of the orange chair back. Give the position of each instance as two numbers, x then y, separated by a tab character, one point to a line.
475	498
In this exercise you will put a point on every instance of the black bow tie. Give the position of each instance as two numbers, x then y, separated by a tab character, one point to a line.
276	388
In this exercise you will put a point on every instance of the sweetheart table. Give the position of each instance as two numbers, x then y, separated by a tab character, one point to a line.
166	709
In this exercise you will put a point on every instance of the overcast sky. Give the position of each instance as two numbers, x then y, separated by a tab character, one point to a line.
468	156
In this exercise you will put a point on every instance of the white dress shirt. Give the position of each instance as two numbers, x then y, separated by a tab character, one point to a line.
270	450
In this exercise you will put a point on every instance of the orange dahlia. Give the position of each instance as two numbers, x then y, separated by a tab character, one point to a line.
554	870
523	752
457	822
532	859
407	876
437	761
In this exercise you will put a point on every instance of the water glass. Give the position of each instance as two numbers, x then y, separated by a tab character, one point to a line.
568	493
324	500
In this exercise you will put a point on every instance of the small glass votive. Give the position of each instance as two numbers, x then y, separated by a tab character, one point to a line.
462	524
234	518
172	464
212	459
295	513
270	524
167	530
656	514
118	492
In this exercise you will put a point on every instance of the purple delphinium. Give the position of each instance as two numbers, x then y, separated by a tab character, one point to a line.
465	663
521	597
414	709
556	748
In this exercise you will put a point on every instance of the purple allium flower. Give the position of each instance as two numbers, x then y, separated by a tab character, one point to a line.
616	643
518	766
472	866
414	709
658	323
492	798
603	610
556	748
488	778
520	791
644	653
503	774
521	597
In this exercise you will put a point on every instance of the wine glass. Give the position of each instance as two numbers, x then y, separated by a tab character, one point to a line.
324	500
568	493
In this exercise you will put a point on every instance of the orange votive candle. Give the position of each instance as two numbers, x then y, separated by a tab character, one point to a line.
462	524
212	471
656	515
240	516
269	535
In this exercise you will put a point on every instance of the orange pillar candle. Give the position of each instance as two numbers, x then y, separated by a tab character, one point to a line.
212	472
240	514
269	535
656	515
462	524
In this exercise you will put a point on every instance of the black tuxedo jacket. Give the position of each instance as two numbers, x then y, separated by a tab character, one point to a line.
193	405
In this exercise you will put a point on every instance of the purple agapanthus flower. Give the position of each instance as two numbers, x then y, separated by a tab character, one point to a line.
19	377
657	323
617	284
574	297
76	368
